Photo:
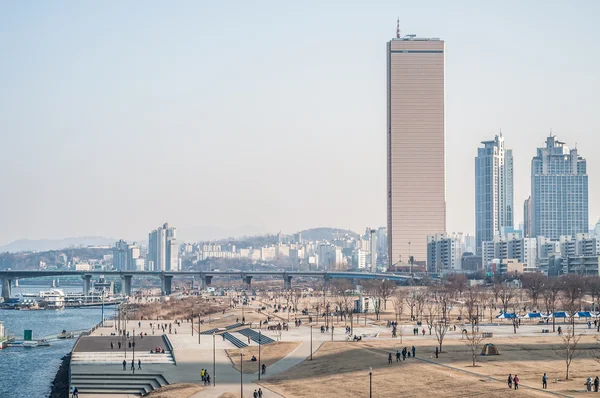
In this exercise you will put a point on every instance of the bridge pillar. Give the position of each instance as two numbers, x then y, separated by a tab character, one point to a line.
126	286
87	284
6	288
247	279
287	282
326	282
166	284
206	281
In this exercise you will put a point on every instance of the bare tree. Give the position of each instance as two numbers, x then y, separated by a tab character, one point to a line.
398	301
550	294
411	301
441	328
472	298
431	314
593	288
506	294
385	290
420	302
572	287
568	349
473	342
457	282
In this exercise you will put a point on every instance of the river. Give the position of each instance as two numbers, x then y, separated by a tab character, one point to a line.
28	372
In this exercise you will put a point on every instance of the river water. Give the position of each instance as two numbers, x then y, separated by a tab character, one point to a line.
28	372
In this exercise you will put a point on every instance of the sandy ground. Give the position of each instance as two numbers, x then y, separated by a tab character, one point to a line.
183	390
341	369
269	354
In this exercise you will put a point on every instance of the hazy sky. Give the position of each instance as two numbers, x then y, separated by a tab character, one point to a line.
118	116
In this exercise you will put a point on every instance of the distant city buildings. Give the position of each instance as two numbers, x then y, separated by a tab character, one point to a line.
416	202
494	203
162	249
559	191
444	252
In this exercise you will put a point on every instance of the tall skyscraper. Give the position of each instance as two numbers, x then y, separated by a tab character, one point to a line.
559	191
527	218
416	197
162	249
494	205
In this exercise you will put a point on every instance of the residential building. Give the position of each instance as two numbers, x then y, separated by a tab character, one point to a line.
163	254
527	227
559	191
373	250
493	190
416	201
444	252
120	255
470	262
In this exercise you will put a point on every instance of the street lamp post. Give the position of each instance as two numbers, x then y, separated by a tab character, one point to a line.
311	342
199	328
242	373
214	366
259	344
192	321
133	348
370	382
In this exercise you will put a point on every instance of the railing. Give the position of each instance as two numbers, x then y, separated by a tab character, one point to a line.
170	348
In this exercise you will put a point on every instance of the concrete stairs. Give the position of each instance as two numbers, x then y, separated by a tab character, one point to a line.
116	357
117	383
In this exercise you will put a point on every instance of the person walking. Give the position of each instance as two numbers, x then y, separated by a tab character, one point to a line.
596	384
389	358
139	364
397	356
119	343
260	393
404	354
202	374
76	393
264	368
112	346
208	379
124	365
516	381
414	351
436	352
255	395
544	381
510	381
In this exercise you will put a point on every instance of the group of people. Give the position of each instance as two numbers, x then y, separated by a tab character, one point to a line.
258	394
416	331
132	364
205	377
157	350
589	383
514	381
404	353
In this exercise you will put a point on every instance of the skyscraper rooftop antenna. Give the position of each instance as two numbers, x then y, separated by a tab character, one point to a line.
398	29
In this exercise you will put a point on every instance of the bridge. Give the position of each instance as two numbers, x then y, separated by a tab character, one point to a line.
206	277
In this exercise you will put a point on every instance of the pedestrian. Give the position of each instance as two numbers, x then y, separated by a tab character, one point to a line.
119	343
516	381
255	395
436	352
208	379
544	381
76	393
588	384
202	374
404	354
414	351
397	356
132	365
389	358
510	381
596	384
260	393
264	368
139	364
124	365
72	391
423	331
112	345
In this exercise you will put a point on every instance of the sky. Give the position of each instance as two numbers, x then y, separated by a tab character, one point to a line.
247	117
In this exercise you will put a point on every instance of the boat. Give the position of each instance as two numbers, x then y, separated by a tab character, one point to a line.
30	344
43	343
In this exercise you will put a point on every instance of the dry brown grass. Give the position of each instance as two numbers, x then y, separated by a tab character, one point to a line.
179	308
269	354
182	390
341	369
229	395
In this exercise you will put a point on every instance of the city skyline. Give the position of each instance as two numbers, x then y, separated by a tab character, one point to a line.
81	127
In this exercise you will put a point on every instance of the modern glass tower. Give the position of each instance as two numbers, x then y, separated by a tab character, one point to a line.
415	146
559	191
494	205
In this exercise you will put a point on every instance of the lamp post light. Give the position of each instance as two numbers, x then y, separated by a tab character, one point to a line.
370	382
242	373
214	366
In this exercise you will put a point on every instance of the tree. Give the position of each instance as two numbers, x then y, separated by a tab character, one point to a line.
534	284
457	282
472	299
384	291
506	293
441	328
572	287
473	342
593	288
398	301
420	302
411	301
551	293
431	313
568	349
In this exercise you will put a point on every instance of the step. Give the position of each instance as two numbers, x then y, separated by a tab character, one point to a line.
130	391
127	376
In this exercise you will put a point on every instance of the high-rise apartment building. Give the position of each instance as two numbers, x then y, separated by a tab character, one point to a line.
416	198
527	218
494	205
163	250
559	191
444	252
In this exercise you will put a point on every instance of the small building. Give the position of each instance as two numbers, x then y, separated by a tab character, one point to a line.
366	304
